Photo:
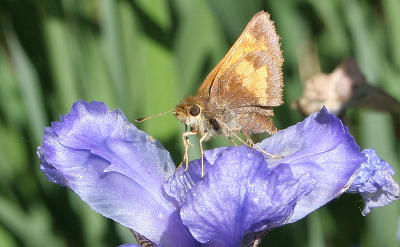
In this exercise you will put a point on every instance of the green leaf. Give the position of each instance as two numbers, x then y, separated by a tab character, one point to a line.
29	87
61	49
32	228
6	239
392	23
199	40
159	76
114	54
157	11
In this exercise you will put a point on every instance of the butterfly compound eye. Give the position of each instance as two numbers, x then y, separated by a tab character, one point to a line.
194	110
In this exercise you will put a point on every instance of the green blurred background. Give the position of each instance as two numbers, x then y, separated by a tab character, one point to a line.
144	56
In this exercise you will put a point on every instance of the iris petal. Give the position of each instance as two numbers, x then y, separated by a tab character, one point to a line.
238	195
115	168
92	126
321	147
374	181
182	181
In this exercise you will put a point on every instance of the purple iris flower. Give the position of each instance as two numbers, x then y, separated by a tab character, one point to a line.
127	176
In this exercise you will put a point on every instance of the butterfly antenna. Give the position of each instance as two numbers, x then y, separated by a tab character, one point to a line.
139	120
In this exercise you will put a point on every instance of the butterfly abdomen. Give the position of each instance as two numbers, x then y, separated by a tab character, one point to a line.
142	240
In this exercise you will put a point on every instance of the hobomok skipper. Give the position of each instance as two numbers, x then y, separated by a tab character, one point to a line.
237	96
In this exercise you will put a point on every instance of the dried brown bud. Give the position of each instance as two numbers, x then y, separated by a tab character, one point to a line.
344	87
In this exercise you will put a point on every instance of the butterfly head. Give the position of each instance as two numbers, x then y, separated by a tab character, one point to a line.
190	112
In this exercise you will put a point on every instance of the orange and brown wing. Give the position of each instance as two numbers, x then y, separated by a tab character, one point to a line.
258	36
254	122
253	80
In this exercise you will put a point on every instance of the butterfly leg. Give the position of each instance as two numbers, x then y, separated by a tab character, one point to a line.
142	240
241	140
248	139
249	142
233	141
233	134
253	145
202	153
186	144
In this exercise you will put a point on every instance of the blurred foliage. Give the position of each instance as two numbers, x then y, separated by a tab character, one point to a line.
144	56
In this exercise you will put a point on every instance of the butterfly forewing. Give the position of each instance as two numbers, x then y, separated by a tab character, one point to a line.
258	36
253	80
